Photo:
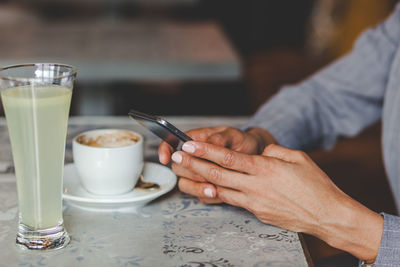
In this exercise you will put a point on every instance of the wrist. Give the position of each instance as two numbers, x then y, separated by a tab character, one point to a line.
354	228
263	138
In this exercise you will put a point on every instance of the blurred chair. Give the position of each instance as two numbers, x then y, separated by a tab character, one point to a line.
336	24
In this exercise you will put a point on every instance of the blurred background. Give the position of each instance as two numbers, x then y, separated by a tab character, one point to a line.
201	57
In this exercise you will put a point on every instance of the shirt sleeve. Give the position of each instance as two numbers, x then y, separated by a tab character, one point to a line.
389	251
340	100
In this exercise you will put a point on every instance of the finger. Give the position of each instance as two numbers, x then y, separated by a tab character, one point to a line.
164	153
283	153
232	197
222	156
184	172
200	190
210	171
215	200
202	134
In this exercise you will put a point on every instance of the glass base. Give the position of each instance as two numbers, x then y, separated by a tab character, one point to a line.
43	239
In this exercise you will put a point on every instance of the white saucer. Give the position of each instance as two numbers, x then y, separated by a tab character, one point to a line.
77	195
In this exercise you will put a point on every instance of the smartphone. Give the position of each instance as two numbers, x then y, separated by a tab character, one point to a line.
162	128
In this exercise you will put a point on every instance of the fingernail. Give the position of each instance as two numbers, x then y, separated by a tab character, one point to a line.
177	157
188	147
208	192
161	158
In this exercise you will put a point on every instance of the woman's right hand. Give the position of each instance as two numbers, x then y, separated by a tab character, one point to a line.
252	141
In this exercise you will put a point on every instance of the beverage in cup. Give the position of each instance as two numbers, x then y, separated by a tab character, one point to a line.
36	100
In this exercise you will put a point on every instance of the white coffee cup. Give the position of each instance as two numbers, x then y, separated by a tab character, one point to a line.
108	165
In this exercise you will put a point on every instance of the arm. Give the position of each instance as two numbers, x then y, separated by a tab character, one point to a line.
340	100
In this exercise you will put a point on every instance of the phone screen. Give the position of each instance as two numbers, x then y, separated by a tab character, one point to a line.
162	128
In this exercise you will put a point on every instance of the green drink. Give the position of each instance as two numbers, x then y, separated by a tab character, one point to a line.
38	125
37	117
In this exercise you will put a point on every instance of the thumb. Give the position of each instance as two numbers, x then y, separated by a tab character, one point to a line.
230	137
218	139
283	153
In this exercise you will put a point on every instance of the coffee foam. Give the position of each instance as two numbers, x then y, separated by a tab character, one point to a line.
118	138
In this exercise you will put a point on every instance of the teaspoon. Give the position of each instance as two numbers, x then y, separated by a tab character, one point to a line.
146	185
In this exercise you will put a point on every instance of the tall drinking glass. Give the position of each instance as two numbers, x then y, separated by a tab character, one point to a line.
36	100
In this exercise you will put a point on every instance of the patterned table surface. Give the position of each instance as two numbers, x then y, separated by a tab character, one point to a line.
174	230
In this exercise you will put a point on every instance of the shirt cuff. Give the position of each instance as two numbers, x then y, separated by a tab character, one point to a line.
389	251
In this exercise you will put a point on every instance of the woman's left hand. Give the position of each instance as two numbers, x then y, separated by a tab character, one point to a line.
284	187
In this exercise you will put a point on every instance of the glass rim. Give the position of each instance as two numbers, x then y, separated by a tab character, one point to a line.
74	71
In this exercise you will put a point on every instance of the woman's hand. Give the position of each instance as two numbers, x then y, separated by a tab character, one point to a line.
252	141
286	188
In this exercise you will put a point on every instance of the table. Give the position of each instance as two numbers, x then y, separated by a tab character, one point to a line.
174	230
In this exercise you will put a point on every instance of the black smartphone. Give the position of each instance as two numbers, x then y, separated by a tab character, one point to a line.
162	128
